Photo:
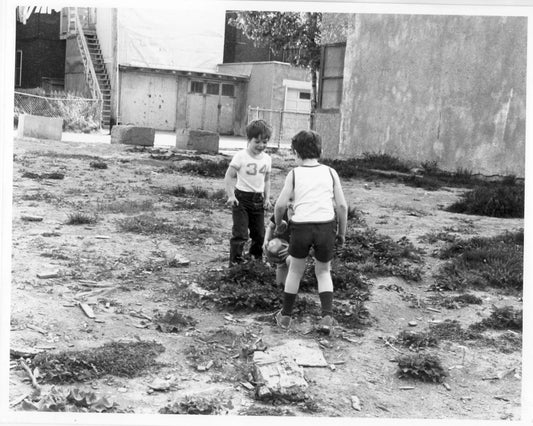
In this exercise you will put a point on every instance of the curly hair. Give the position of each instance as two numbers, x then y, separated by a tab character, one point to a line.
258	129
307	144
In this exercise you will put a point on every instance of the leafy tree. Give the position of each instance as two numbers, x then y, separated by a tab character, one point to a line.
295	33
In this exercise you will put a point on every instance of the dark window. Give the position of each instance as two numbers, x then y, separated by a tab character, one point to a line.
212	88
18	68
305	95
197	87
228	90
332	72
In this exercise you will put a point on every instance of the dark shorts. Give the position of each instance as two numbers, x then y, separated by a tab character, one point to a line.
319	236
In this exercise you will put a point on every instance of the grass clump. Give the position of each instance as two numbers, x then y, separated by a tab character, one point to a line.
500	200
173	322
194	406
248	287
116	358
207	168
79	218
126	206
451	330
505	318
461	300
416	341
98	164
379	255
481	262
424	367
197	192
146	224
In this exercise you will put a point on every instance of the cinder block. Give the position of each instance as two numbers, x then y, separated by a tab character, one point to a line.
34	126
132	135
197	140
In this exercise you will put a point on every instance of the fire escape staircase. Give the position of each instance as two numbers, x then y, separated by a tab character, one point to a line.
96	75
101	75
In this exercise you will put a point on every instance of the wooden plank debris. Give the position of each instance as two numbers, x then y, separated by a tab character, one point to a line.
87	310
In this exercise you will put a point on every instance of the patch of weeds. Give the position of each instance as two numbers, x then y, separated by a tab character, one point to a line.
126	206
72	400
197	192
433	237
505	318
355	216
146	224
461	300
51	175
249	286
98	164
483	262
207	168
416	340
194	405
382	161
451	330
79	218
379	255
116	358
39	196
424	367
173	322
498	200
262	410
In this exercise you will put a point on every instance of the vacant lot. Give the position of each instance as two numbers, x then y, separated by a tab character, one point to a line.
139	238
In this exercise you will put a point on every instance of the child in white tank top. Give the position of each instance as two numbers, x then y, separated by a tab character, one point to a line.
319	222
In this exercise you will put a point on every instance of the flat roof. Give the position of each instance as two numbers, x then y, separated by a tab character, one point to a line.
186	73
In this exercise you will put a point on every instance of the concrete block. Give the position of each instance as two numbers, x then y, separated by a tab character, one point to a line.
197	140
132	135
35	126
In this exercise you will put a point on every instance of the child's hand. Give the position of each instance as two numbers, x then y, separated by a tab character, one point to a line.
267	205
340	240
232	201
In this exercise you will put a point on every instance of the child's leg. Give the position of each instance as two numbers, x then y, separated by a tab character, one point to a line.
239	233
256	217
292	283
281	273
325	286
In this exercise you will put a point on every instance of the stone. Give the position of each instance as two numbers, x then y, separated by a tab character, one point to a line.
132	135
198	140
34	126
283	378
304	353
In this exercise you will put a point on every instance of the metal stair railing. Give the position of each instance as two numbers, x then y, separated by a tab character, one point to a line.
90	73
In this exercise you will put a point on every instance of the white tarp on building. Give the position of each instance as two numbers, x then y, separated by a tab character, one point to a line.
185	39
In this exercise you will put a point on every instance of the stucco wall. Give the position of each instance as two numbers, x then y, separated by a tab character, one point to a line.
445	88
74	70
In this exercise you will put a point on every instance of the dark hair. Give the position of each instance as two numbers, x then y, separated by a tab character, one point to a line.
258	128
307	144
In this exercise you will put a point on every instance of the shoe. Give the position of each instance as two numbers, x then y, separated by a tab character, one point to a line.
283	321
326	324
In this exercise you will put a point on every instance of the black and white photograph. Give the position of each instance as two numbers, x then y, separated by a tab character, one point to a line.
263	211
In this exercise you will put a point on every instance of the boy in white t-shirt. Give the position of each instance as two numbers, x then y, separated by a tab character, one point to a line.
247	183
318	222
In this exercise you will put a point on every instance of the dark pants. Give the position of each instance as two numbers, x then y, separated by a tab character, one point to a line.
248	215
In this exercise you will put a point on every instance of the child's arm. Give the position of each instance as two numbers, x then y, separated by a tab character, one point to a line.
230	179
269	234
266	202
341	209
283	201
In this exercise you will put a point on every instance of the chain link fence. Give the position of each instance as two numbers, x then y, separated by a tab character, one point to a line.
78	114
285	124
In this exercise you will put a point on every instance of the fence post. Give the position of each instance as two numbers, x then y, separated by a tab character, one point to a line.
280	127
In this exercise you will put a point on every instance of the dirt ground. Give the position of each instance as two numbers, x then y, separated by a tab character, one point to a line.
483	383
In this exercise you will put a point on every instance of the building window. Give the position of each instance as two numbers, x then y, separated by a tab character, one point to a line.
212	88
228	90
197	87
305	95
18	68
332	69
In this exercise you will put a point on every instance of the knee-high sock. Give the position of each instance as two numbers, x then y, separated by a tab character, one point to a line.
292	284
